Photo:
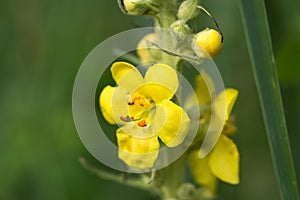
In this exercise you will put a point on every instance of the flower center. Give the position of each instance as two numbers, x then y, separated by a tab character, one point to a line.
139	108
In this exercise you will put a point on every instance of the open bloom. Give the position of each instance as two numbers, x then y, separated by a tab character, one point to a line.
144	111
223	161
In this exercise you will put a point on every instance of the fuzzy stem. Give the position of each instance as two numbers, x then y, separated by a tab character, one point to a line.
170	179
164	19
167	14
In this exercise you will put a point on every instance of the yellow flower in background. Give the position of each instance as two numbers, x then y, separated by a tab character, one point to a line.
146	50
223	161
144	111
202	97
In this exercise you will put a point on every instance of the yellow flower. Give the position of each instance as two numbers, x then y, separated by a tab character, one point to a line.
144	111
210	41
223	161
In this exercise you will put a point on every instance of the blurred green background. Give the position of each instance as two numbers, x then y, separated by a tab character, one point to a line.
43	43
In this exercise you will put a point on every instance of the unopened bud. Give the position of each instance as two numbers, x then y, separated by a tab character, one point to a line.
188	10
186	191
146	49
180	26
139	7
210	41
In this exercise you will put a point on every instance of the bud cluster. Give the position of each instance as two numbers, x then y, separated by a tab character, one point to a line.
207	43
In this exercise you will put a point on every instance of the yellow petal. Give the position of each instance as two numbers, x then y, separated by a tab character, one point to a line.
105	102
126	75
231	96
113	104
164	75
137	152
226	98
201	171
154	91
175	123
224	160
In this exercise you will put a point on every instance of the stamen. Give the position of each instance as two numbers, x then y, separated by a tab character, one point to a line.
131	103
142	123
125	119
142	101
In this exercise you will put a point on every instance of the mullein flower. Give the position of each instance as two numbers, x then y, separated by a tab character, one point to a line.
223	161
144	111
210	41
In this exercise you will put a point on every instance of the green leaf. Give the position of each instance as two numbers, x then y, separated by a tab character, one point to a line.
264	70
287	59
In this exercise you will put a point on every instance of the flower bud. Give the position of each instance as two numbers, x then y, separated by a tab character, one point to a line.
186	191
180	26
210	41
139	7
146	49
188	10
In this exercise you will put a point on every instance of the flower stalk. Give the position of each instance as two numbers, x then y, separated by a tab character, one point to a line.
148	114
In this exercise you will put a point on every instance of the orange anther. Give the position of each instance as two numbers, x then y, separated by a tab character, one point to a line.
142	123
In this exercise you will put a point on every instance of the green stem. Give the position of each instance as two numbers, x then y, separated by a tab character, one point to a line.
264	70
167	14
170	178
